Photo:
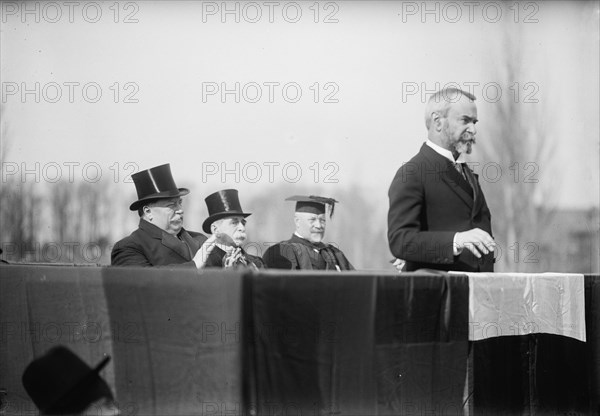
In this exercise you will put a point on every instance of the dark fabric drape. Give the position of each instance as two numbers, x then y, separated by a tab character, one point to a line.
280	342
541	373
313	344
179	350
42	307
360	345
421	344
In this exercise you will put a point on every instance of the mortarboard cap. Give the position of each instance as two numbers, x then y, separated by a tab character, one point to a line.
312	204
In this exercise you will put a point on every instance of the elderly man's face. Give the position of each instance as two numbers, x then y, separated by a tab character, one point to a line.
458	131
230	231
310	226
167	214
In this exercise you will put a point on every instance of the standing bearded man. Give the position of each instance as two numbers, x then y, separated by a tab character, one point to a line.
438	217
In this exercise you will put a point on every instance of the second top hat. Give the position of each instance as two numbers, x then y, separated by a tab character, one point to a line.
59	382
155	183
222	204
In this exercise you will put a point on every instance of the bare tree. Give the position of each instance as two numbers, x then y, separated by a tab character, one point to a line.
519	151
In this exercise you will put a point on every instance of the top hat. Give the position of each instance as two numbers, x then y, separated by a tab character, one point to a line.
155	183
59	382
222	204
313	204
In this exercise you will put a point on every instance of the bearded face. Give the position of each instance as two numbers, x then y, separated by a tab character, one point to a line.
458	129
458	143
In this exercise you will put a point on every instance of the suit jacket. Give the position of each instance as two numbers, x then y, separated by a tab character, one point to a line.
430	202
215	259
151	246
300	254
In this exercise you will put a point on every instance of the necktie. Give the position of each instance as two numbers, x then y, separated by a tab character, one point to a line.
468	175
459	168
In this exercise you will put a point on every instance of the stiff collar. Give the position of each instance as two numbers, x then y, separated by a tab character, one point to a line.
445	152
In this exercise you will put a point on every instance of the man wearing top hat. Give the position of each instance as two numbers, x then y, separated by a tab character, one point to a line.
160	239
227	223
306	250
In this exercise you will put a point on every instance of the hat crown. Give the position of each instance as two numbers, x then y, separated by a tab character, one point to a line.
223	201
222	204
153	181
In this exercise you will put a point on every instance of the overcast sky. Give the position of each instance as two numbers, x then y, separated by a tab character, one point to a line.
329	92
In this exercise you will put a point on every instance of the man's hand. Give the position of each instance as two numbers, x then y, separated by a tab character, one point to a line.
398	264
476	241
202	254
232	258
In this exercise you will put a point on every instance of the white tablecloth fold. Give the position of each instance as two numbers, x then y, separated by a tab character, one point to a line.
503	304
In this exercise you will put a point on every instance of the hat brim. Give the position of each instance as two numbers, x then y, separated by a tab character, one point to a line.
208	222
160	195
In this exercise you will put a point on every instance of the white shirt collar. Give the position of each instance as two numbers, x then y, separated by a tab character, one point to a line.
445	152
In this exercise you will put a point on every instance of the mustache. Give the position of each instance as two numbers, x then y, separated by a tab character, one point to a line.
467	137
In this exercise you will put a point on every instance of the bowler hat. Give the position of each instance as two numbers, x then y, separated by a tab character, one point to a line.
222	204
59	382
155	183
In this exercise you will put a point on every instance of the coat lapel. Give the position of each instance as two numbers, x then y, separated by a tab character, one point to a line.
453	179
167	239
448	174
176	245
192	244
215	258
